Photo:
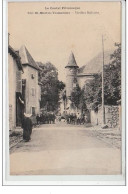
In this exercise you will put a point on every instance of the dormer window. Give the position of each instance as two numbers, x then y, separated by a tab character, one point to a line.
32	76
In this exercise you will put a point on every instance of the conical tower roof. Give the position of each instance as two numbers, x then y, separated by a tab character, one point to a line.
26	58
72	61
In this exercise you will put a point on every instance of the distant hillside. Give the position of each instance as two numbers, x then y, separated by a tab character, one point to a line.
95	65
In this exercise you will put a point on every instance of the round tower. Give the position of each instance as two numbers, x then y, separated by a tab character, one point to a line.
71	74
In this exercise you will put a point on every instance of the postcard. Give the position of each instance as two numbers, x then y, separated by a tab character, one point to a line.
65	91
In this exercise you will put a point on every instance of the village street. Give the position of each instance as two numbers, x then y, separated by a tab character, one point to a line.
64	149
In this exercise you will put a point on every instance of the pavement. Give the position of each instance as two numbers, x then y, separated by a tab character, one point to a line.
61	149
111	136
15	136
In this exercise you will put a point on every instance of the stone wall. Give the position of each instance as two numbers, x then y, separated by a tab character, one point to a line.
112	116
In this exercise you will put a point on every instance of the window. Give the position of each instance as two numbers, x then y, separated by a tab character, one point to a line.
33	111
32	76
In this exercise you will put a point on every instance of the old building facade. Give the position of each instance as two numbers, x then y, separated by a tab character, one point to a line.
73	77
31	89
71	74
81	76
16	103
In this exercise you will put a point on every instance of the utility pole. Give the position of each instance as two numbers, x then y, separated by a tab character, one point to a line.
103	108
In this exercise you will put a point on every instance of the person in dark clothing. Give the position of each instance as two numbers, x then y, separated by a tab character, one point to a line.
50	118
37	119
27	127
53	117
68	118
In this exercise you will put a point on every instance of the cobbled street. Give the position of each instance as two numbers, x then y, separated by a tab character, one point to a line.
61	149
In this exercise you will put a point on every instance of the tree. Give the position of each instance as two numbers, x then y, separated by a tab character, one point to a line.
113	78
51	86
93	91
78	98
76	95
112	83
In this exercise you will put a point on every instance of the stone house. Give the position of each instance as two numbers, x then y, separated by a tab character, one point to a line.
16	103
74	76
81	76
31	88
71	74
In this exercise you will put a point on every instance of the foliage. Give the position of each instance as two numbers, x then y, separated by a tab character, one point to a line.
78	98
93	90
113	78
51	86
76	95
112	83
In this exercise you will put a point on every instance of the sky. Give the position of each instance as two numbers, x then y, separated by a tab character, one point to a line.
52	37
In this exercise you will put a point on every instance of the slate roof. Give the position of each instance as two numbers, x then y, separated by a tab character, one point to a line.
72	61
26	58
16	56
95	65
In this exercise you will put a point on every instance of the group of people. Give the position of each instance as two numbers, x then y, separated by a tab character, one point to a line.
45	118
27	123
76	118
49	118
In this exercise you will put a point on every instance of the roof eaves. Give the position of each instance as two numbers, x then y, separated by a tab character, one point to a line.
12	52
75	66
16	56
32	66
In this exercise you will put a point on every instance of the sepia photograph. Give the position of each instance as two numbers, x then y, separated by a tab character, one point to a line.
65	88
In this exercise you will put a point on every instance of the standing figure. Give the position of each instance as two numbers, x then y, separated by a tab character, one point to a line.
83	118
27	127
49	118
53	118
37	119
74	118
78	118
